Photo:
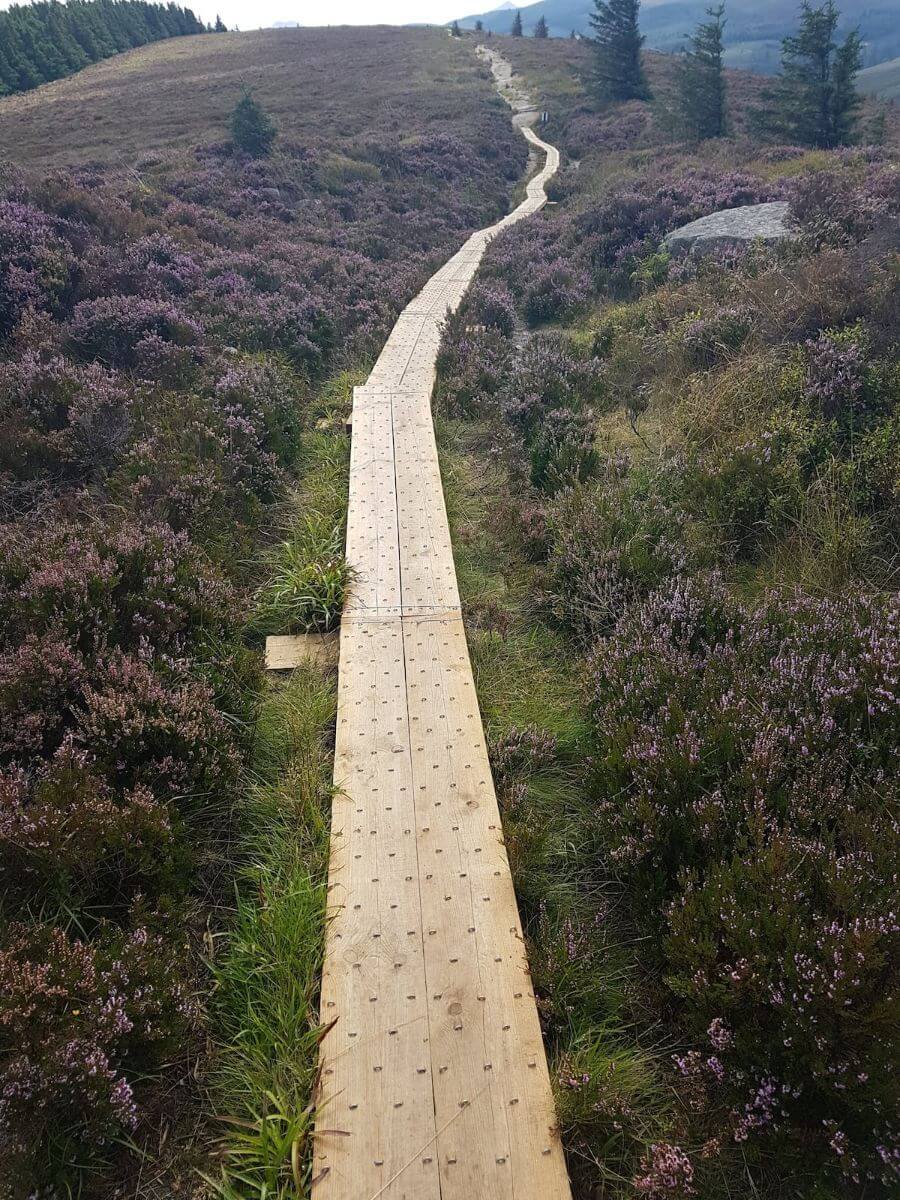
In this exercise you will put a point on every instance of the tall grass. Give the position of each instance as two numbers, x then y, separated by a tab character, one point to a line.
307	575
268	961
265	1002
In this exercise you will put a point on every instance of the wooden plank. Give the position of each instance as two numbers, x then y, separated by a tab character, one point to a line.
286	651
375	1121
493	1103
372	536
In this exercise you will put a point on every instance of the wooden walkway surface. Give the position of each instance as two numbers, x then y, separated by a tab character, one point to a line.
434	1081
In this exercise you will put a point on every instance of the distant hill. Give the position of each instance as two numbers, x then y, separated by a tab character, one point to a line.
753	31
882	81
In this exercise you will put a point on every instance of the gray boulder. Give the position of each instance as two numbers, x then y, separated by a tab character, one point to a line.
732	227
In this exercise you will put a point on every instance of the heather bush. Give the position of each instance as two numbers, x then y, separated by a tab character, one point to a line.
613	541
473	365
79	1023
550	373
519	753
847	202
744	759
556	290
562	449
749	493
492	305
67	834
708	338
102	584
60	423
155	725
119	330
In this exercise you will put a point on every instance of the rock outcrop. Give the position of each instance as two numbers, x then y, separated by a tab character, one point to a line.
732	227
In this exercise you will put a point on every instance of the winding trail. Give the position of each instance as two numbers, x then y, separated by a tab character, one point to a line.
434	1082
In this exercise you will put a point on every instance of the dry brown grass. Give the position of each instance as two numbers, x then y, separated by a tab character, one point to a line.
179	93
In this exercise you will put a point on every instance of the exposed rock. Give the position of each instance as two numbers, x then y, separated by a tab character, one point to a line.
733	227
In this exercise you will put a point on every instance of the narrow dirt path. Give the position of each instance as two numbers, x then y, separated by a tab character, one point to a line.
434	1080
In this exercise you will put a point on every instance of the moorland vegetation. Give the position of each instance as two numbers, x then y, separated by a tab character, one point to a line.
167	332
674	492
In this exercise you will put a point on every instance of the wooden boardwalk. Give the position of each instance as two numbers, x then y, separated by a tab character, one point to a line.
434	1081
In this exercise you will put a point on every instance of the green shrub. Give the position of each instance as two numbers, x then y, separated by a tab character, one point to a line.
613	541
252	129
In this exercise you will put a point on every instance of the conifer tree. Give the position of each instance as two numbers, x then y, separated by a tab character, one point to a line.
252	129
220	26
516	30
46	40
700	80
814	103
479	26
455	29
540	29
617	43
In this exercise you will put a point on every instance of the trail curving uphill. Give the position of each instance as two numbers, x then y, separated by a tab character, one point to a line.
434	1082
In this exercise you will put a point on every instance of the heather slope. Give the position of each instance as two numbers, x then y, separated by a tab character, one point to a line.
673	489
178	331
321	85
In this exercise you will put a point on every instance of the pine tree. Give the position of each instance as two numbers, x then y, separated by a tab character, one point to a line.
815	101
617	43
46	40
252	129
479	26
220	26
540	29
700	80
455	29
516	30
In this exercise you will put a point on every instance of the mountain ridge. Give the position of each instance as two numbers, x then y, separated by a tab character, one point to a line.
753	32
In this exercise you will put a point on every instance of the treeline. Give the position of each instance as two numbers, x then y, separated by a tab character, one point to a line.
813	103
44	41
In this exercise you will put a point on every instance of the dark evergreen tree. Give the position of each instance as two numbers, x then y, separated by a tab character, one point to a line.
516	30
479	26
540	29
220	26
47	40
252	129
700	80
455	29
619	74
814	103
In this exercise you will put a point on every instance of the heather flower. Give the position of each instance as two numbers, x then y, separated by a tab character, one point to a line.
666	1171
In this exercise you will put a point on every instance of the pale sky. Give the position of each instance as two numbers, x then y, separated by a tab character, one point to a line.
250	14
253	14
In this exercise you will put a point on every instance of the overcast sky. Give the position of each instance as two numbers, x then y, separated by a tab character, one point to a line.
251	14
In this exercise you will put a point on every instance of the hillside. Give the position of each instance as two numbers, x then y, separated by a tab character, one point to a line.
753	31
189	85
675	486
260	923
882	81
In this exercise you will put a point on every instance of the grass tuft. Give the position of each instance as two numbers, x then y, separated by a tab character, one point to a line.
265	1003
